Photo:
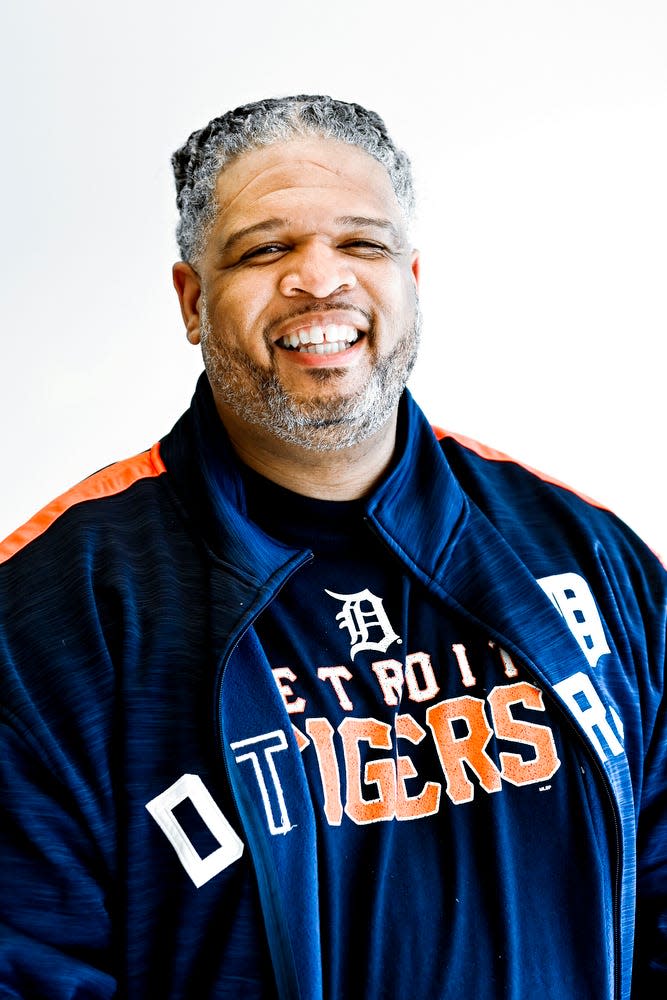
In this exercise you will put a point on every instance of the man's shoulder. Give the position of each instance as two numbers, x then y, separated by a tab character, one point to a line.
528	505
86	503
498	466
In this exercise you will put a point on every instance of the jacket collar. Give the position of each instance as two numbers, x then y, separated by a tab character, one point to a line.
442	537
419	509
207	478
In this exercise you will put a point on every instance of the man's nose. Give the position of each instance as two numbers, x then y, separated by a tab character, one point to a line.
317	270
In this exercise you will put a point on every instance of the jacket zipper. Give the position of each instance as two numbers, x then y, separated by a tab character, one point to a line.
224	660
616	856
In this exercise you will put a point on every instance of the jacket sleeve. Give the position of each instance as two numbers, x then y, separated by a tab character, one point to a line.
54	919
650	963
650	975
57	833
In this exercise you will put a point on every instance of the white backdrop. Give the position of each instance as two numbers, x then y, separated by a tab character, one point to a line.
538	136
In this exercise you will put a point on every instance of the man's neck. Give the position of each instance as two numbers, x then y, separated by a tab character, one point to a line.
347	474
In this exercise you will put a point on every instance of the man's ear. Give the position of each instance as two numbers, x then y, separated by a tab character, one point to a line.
188	288
414	266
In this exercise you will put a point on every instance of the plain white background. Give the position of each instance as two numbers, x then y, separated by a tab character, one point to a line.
538	136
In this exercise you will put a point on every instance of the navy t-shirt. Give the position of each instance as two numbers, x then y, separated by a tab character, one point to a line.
450	857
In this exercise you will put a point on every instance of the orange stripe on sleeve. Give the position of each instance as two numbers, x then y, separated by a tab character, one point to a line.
499	456
105	483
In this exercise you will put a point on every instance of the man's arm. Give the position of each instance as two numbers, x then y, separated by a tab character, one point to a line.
650	970
55	926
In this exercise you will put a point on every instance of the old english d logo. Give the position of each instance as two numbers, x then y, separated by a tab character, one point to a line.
364	617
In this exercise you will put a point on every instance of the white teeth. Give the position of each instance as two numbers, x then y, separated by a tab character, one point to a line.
333	338
325	348
333	333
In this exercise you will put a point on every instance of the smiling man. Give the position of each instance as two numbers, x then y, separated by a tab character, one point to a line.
304	300
310	700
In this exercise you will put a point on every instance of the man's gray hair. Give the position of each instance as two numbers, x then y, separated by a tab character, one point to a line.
199	161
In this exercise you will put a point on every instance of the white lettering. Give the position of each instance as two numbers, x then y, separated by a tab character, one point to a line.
265	768
430	686
585	704
572	598
161	808
390	675
285	674
467	676
336	675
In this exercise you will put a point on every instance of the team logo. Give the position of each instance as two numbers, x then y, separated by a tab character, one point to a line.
365	619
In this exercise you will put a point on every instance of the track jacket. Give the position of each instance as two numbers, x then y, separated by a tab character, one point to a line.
126	645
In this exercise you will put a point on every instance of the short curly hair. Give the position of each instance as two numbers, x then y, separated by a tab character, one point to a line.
199	161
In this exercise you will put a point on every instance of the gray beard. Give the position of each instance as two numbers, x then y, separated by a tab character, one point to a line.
256	395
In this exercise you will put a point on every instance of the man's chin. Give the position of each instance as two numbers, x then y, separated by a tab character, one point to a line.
329	424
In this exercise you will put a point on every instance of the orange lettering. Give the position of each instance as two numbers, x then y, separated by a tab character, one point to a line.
381	773
321	733
301	741
453	750
513	767
428	800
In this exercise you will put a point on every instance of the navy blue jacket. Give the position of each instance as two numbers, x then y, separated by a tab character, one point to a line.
127	650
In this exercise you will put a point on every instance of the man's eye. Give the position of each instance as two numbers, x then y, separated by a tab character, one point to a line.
365	248
266	250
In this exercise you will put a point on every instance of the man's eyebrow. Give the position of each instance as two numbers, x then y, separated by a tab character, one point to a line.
265	226
364	221
345	221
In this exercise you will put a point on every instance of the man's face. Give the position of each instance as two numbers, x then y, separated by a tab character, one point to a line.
307	310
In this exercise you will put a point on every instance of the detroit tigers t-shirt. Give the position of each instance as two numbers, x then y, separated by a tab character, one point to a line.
451	855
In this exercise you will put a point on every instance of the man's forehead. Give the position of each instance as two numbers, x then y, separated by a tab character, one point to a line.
307	164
